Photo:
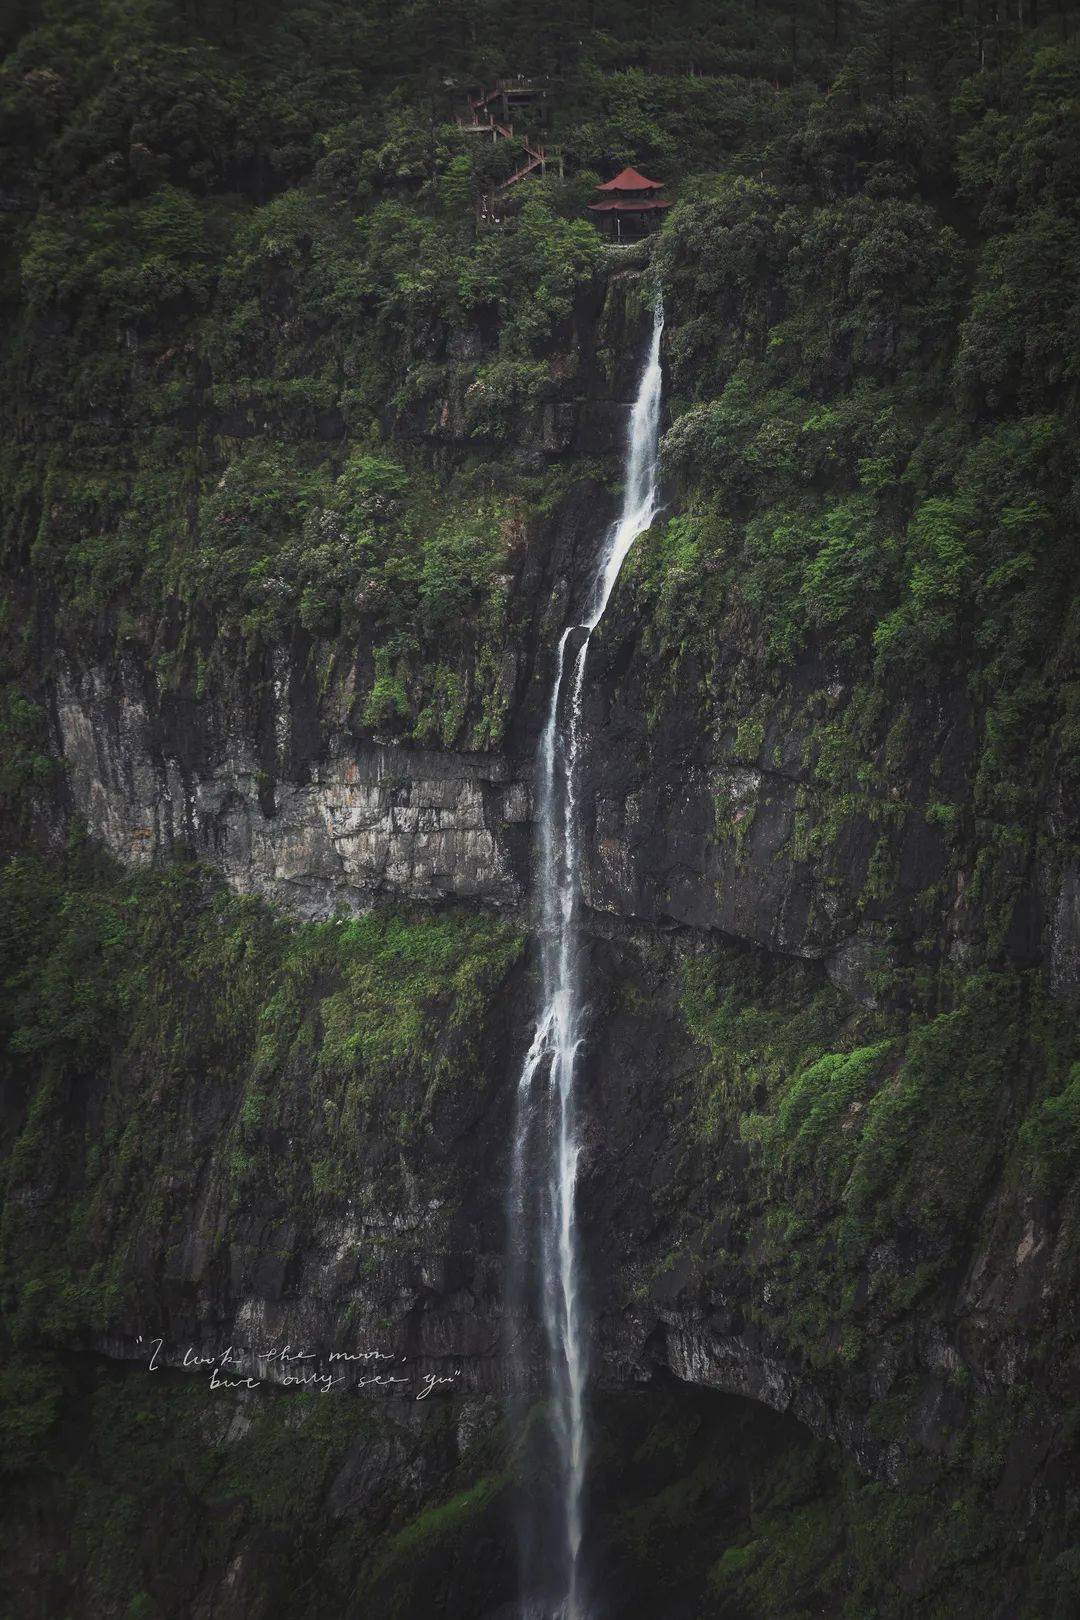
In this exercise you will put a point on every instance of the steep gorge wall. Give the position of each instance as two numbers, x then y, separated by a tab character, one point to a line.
705	800
699	840
307	475
293	800
700	820
214	1191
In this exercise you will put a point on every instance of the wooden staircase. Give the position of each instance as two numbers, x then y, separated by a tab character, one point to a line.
537	159
537	155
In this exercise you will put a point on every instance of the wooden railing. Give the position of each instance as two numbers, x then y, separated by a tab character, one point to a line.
537	154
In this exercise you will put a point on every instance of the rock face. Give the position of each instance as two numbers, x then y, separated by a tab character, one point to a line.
715	794
369	820
698	839
295	805
691	837
405	1255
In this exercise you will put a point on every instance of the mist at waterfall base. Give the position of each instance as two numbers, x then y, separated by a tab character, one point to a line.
544	1261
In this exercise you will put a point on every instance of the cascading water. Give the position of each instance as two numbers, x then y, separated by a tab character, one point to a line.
546	1143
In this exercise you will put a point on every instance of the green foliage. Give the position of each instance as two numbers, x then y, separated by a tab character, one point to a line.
30	1391
388	701
752	1038
401	985
925	1147
873	397
236	286
530	275
26	766
877	1132
1051	1134
940	568
131	989
447	1520
76	973
1019	340
226	283
457	562
61	963
368	486
818	1104
848	577
456	183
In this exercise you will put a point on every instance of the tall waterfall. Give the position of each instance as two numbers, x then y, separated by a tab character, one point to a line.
547	1146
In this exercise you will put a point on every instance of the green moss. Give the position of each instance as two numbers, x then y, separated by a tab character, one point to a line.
1051	1135
388	1005
749	737
874	1132
816	1114
448	1520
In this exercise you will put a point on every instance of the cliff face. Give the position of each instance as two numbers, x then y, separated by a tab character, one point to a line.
310	471
239	1168
341	823
873	1260
293	802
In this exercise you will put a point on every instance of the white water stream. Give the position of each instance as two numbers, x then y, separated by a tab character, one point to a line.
546	1140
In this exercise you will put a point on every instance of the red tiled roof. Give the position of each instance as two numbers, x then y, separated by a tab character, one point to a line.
630	180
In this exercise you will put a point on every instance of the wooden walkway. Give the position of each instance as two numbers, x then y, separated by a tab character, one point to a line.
537	155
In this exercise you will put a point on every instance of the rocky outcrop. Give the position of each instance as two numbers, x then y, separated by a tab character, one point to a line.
370	819
688	843
694	836
680	829
407	1257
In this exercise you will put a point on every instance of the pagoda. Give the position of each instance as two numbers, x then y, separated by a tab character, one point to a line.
630	197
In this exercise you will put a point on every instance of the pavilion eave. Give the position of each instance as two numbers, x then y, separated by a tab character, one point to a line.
628	205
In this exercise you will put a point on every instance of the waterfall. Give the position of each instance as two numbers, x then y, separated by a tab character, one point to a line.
546	1148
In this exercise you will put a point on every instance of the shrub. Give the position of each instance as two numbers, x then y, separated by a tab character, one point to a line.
1051	1135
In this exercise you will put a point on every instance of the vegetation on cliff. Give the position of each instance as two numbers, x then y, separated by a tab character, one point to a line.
873	355
244	279
272	381
149	1017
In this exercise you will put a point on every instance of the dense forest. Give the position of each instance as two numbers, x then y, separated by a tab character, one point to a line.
311	413
239	254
